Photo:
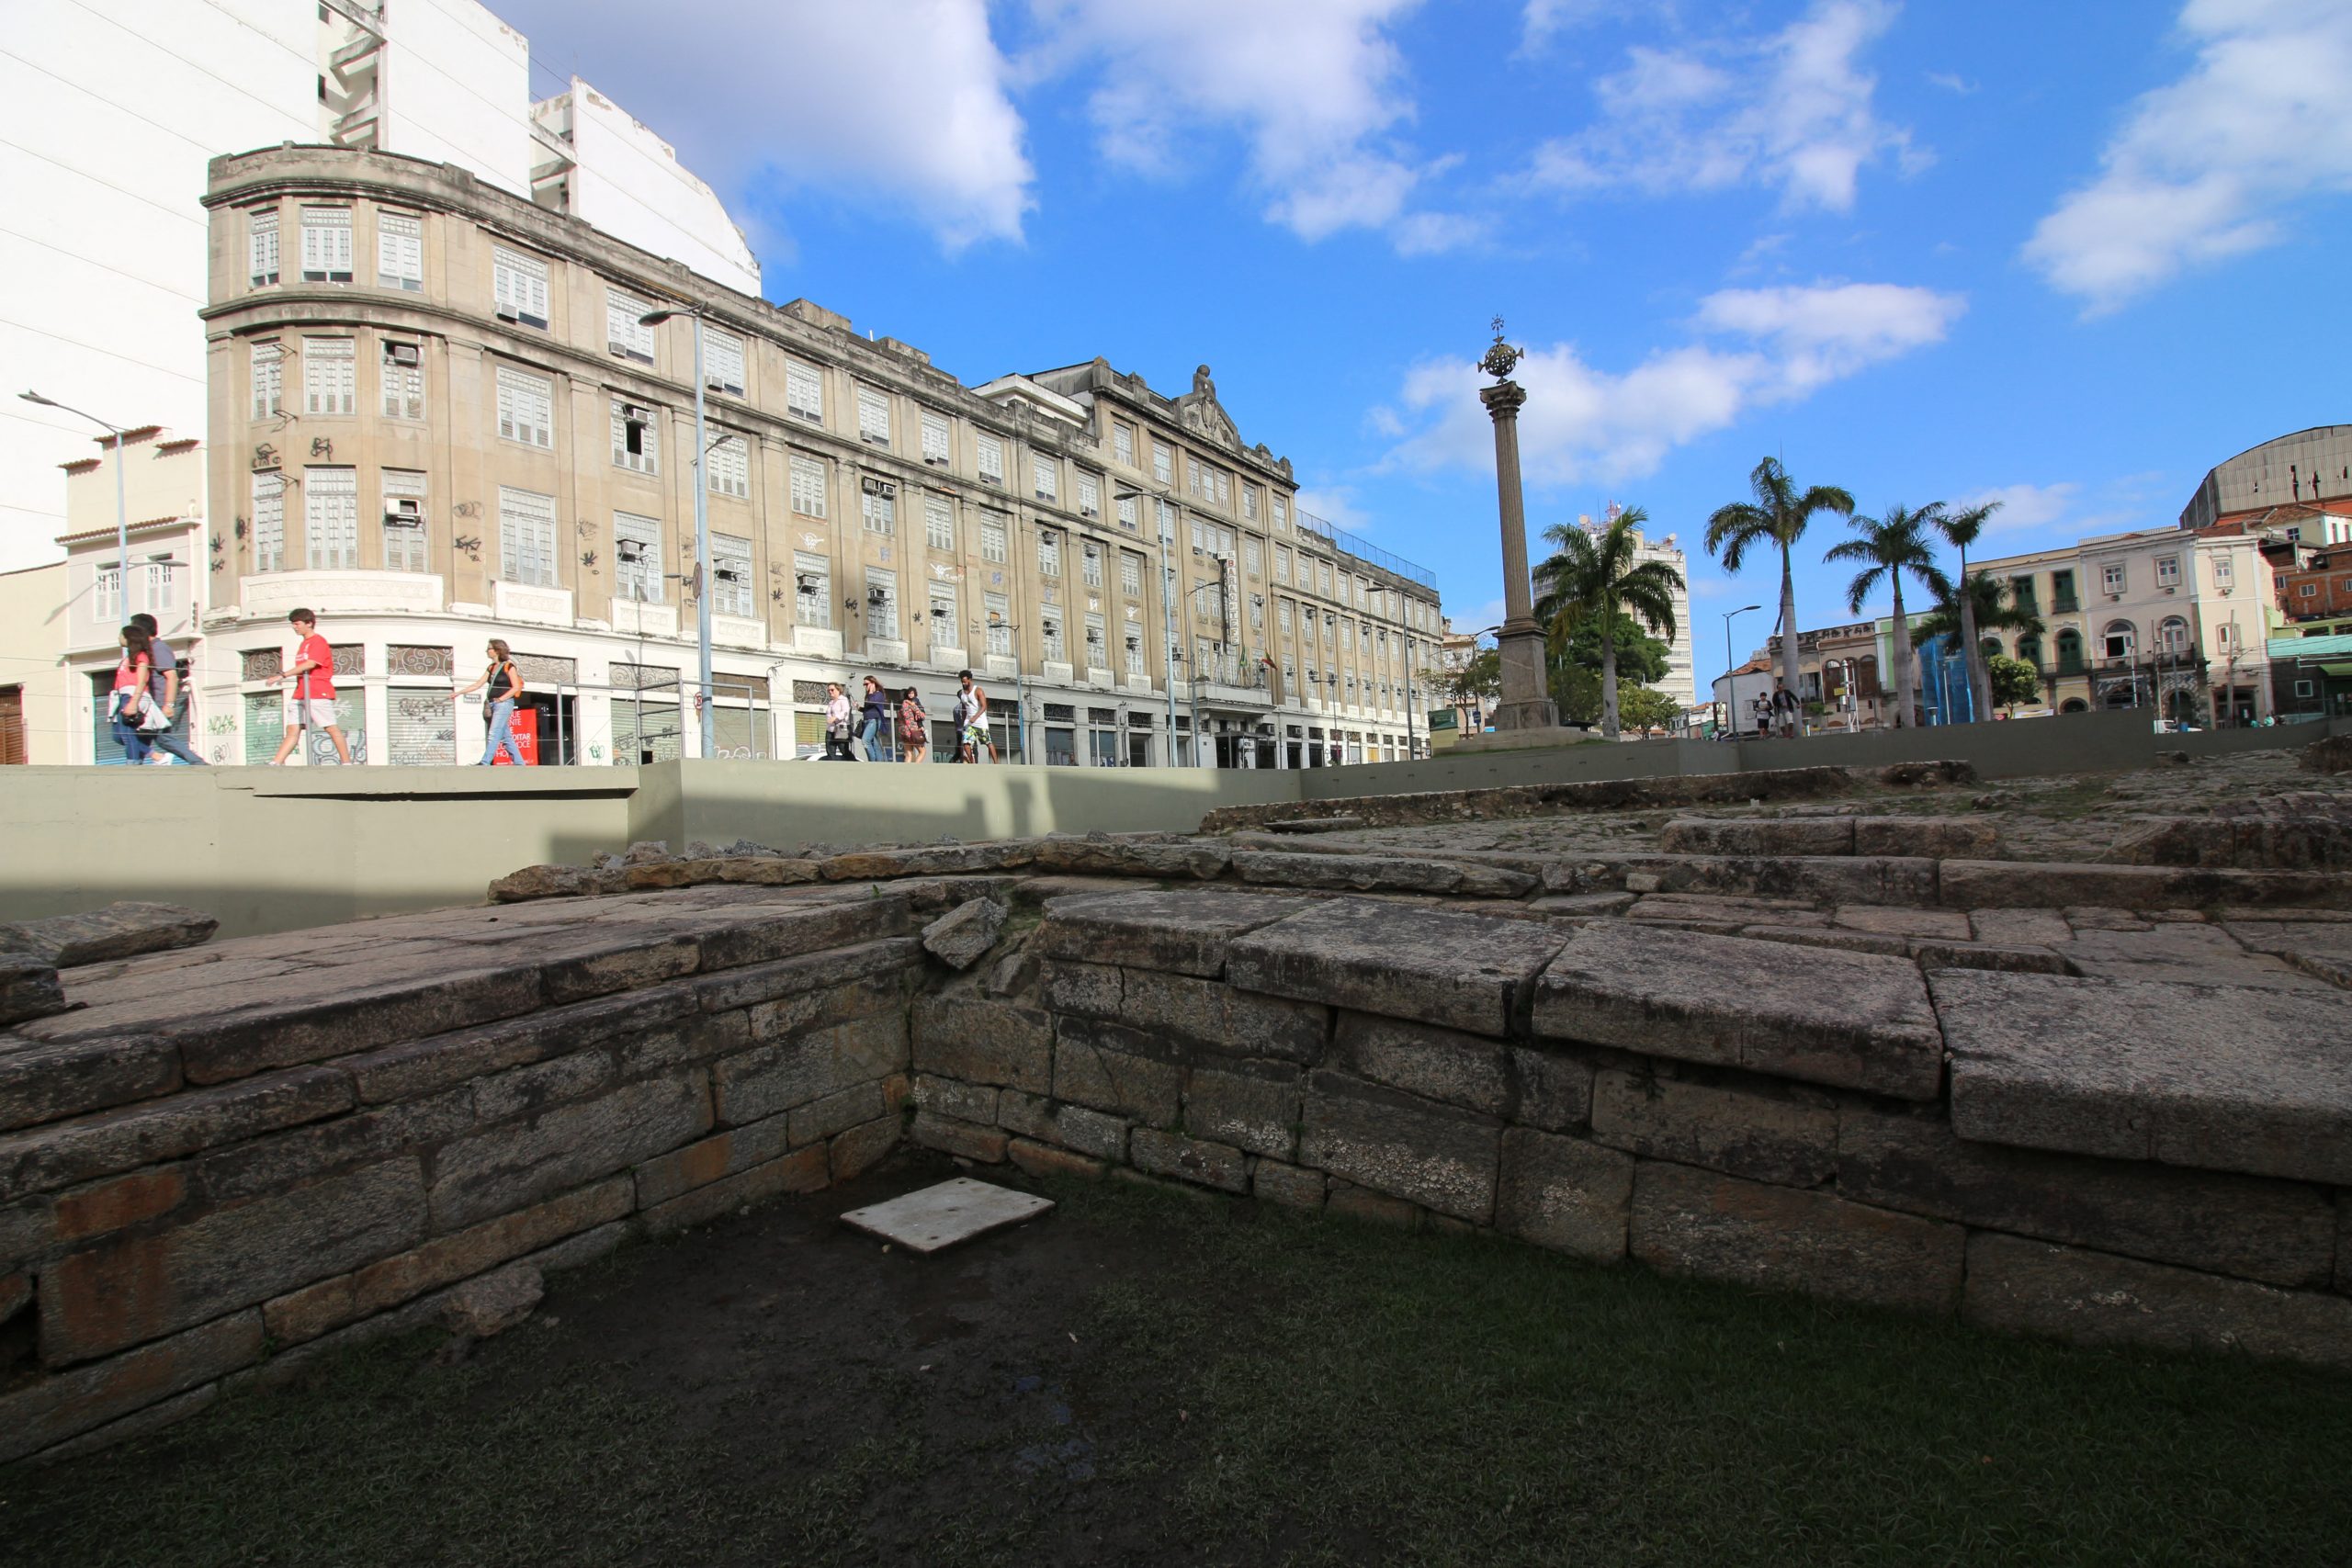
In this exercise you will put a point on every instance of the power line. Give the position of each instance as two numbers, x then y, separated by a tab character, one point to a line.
111	106
93	260
94	348
100	179
234	86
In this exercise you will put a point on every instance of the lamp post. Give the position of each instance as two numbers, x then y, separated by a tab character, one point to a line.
704	717
122	512
1020	691
1731	703
1165	529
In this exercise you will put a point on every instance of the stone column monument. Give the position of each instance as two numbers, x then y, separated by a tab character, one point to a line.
1526	703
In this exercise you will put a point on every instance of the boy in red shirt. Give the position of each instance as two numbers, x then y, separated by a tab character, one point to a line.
312	676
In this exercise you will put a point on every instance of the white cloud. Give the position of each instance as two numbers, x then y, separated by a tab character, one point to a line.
2025	508
1790	111
2205	167
1335	504
1951	83
709	84
1314	88
1585	423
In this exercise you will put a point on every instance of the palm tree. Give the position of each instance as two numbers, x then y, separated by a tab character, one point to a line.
1595	576
1887	548
1778	515
1960	530
1972	607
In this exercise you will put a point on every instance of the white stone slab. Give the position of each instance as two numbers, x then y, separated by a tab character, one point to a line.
940	1217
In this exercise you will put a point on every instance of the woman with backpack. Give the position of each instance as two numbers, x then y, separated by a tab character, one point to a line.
131	709
914	728
505	682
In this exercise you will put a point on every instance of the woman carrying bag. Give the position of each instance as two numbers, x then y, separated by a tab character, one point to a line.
133	710
914	728
874	720
836	724
505	682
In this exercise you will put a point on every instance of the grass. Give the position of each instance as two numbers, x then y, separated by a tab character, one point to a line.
1268	1389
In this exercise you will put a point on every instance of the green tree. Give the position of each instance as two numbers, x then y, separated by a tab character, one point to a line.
2013	681
1640	657
1986	606
1887	549
1480	681
1595	576
1647	707
1960	530
1777	516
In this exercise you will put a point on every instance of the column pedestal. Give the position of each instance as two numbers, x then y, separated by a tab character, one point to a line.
1526	701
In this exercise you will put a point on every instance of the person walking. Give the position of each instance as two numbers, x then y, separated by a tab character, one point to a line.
971	720
836	724
914	728
310	683
873	720
170	692
505	683
131	699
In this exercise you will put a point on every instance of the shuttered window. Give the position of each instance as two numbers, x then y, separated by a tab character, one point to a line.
1047	475
1130	518
519	286
269	523
331	519
647	458
405	539
881	604
945	632
1049	553
873	416
1122	443
269	379
722	360
880	501
812	588
1131	574
999	623
729	467
809	487
637	557
400	250
526	407
803	393
261	245
624	333
934	439
730	571
403	380
527	537
939	522
326	245
330	376
1089	496
991	460
1091	565
993	539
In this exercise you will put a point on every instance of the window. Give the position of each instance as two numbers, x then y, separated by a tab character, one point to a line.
1257	612
1129	517
729	467
2172	635
526	407
812	588
106	596
991	460
637	557
331	519
1323	577
1249	501
1090	565
1050	627
269	379
1204	536
999	624
269	523
518	287
1089	496
1098	643
934	439
1131	574
1166	517
404	520
1048	478
2167	571
993	539
881	604
878	500
722	359
326	245
1281	515
404	380
730	575
400	250
261	245
2307	590
2118	639
1253	561
1122	443
1347	637
161	587
636	442
1192	475
1135	653
1283	616
527	537
808	486
1049	553
626	333
803	393
873	416
2225	571
939	522
2112	577
1163	464
330	376
945	632
1282	563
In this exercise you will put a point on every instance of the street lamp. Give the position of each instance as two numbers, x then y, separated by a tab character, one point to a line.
1731	702
1167	603
1020	691
705	718
121	512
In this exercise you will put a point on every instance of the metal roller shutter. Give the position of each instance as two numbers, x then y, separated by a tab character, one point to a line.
424	728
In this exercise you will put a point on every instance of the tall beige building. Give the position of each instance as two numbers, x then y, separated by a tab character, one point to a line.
436	418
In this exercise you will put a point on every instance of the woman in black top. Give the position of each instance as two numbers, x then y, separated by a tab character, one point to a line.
505	682
873	720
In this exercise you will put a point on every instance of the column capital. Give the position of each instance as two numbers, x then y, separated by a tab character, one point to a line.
1503	399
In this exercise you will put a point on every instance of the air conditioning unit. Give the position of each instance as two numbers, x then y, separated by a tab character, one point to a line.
934	462
508	314
404	513
406	354
877	597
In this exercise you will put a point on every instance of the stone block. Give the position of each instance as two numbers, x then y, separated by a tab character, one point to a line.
1013	975
1212	1014
357	1015
803	1170
1435	1156
1818	936
493	1303
1565	1193
1124	1071
1089	990
961	1034
1372	1208
519	1091
46	1082
43	1412
838	1113
117	1203
2020	927
2090	1298
1094	1133
2046	885
1430	965
1293	1187
1748	1233
28	988
769	1078
1220	1166
928	860
1436	1063
765	871
963	936
1186	932
735	935
1932	955
985	1144
118	930
1253	1105
551	882
1044	1160
948	1097
1379	873
423	1066
850	998
1031	1115
1943	837
45	1158
688	1041
1813	879
1551	1089
868	964
519	1162
1202	860
2222	1077
141	1287
2281	1232
1852	1020
271	1163
1947	925
597	965
1758	836
1764	1131
866	1145
15	1293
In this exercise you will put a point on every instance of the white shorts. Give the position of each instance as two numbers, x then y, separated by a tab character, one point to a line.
322	714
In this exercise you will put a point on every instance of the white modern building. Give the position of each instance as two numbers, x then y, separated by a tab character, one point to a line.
110	113
1681	679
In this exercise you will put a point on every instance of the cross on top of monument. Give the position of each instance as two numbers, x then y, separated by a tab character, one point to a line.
1501	358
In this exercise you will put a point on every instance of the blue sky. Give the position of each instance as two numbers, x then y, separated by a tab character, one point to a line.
2065	255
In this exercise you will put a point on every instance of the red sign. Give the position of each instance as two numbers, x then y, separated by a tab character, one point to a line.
527	739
